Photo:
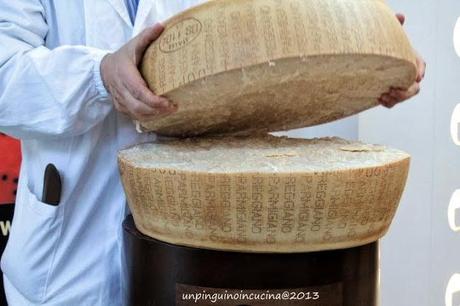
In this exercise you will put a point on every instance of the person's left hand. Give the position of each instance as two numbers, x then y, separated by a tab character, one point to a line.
398	95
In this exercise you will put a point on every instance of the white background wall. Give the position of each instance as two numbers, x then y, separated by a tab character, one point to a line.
421	252
346	128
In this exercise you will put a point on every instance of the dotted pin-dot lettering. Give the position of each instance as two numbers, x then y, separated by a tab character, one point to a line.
452	296
455	125
453	210
457	37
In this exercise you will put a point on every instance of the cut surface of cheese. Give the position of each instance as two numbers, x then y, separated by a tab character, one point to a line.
246	66
263	193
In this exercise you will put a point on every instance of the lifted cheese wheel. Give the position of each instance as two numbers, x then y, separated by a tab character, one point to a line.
263	193
245	66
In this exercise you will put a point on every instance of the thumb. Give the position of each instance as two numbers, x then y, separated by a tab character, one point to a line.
146	37
401	18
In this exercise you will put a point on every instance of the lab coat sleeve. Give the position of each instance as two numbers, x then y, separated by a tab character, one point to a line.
43	92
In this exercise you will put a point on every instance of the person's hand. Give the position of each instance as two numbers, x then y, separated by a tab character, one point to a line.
122	79
398	95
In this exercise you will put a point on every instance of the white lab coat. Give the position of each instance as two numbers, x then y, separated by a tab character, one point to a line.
53	99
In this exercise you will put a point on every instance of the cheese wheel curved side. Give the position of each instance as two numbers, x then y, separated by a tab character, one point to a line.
265	212
225	63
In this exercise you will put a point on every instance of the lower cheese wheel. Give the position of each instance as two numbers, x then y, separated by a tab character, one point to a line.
263	193
245	66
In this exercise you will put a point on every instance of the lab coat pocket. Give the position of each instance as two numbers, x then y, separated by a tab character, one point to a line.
29	255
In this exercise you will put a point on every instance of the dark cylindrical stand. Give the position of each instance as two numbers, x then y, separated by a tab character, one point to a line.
165	275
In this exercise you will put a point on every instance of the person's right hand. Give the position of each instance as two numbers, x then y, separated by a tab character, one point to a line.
122	79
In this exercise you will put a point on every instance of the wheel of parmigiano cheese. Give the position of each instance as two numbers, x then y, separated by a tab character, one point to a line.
267	65
264	193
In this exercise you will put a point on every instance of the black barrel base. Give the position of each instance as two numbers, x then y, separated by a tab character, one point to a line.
162	274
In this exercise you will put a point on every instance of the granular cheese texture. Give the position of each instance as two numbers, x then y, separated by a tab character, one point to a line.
263	193
247	66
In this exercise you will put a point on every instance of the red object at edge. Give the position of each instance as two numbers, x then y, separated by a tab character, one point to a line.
10	162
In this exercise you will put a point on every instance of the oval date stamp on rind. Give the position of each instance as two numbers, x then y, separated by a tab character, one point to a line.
180	35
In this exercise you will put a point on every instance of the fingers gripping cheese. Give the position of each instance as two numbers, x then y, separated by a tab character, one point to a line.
245	66
263	193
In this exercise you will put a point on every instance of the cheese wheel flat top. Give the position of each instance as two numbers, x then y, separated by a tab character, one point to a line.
262	154
250	66
263	193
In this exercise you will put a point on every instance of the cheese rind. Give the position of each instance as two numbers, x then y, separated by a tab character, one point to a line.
245	66
263	193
